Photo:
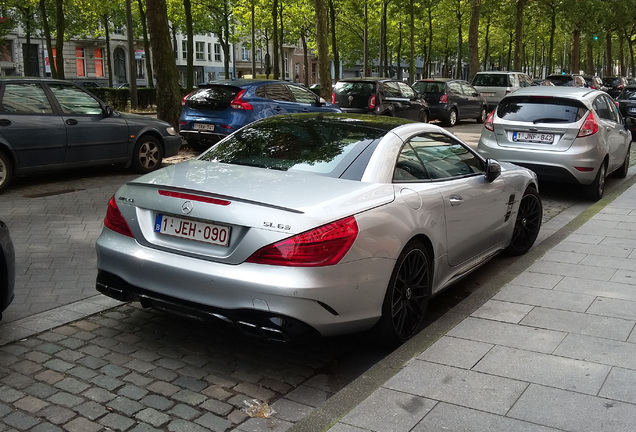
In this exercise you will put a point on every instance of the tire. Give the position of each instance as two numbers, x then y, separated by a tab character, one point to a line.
424	117
452	118
622	171
527	223
147	155
6	171
483	114
594	191
407	296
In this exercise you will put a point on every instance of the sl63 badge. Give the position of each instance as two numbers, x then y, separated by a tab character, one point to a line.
277	226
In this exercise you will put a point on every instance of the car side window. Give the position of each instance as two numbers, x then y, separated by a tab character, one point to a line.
25	98
614	110
469	90
74	100
278	92
603	109
391	89
406	91
301	95
454	88
435	156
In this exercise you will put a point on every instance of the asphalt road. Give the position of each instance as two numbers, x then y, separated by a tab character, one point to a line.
56	218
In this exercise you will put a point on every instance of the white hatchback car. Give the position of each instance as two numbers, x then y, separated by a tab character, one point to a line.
566	134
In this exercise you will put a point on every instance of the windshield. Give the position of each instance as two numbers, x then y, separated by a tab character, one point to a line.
309	144
541	109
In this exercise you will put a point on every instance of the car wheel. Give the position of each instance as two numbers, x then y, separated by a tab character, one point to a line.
483	114
147	155
595	190
622	171
6	172
527	224
407	296
424	117
452	118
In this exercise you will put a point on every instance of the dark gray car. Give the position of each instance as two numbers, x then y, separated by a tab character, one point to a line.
7	268
54	124
452	100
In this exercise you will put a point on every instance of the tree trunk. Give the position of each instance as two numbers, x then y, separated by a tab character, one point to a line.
109	58
608	54
487	46
473	39
275	72
412	41
283	66
430	43
323	49
47	35
334	44
168	93
549	65
59	41
521	4
575	65
144	26
303	39
589	60
187	6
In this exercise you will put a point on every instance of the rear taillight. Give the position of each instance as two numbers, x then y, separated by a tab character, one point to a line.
333	98
184	99
239	103
322	246
589	127
443	99
115	221
488	123
372	102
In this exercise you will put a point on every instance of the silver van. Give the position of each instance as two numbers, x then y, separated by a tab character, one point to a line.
494	85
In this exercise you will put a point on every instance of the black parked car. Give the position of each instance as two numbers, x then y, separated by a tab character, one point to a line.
452	100
54	124
567	80
594	82
614	84
381	96
7	268
627	106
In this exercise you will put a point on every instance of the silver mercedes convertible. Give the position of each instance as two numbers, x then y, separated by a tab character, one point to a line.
315	224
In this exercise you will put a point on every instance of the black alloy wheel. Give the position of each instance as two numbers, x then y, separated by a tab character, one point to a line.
527	224
407	296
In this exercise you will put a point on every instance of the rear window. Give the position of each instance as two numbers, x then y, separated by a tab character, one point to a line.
429	87
213	96
611	82
315	146
628	93
491	80
354	88
540	109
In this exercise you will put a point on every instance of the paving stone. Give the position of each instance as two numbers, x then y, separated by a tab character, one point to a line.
598	350
30	404
72	385
56	414
125	405
570	411
163	388
544	297
184	425
456	352
157	402
217	407
116	422
185	412
99	395
306	396
213	423
20	420
152	417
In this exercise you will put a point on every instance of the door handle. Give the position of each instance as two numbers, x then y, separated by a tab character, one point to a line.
5	122
455	200
71	122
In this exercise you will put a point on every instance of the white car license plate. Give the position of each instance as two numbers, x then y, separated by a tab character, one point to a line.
193	230
204	126
632	110
488	94
533	137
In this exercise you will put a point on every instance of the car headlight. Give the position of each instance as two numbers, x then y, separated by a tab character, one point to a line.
171	131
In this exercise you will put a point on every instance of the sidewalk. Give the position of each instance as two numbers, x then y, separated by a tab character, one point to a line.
551	349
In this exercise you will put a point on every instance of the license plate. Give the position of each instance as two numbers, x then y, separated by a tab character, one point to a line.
632	110
488	94
193	230
533	137
204	126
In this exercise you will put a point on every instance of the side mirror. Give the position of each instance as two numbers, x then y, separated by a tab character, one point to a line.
108	111
493	169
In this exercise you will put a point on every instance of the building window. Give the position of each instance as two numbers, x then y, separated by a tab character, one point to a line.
119	31
80	62
217	52
200	50
245	54
184	49
286	65
209	51
99	62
